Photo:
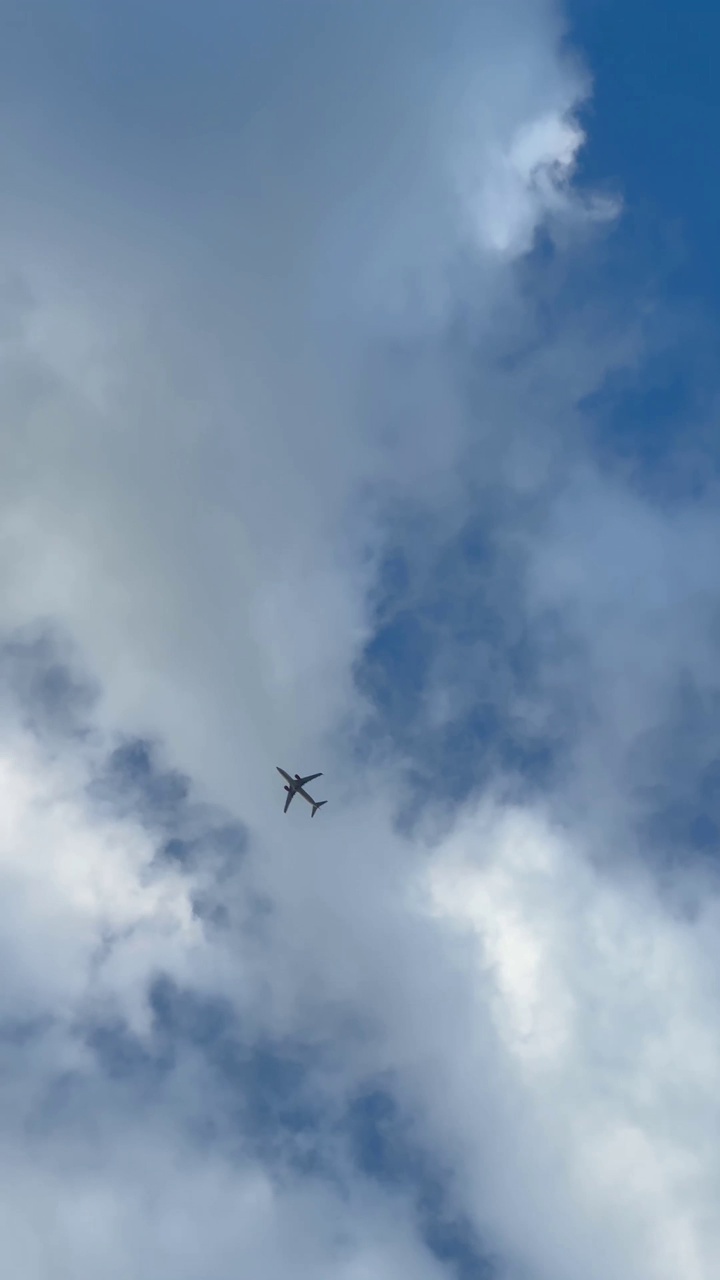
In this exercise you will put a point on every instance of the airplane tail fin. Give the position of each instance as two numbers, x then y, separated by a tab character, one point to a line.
317	806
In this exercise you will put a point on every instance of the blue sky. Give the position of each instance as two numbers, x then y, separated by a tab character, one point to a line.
652	117
359	399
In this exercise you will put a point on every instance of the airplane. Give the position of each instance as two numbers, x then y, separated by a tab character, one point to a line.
296	786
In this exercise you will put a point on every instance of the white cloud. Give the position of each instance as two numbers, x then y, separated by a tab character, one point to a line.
91	920
601	1000
530	182
203	433
169	1213
86	919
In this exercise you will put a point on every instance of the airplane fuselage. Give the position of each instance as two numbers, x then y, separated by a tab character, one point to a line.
294	787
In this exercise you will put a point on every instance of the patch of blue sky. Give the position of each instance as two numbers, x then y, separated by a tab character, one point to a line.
642	425
678	771
451	661
651	128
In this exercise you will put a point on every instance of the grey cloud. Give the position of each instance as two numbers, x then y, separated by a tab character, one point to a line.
254	352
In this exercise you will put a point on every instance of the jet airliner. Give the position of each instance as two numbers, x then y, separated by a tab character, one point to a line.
296	786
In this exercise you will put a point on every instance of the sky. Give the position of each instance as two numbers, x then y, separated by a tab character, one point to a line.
359	395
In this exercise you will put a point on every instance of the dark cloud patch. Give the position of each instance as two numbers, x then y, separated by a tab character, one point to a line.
270	1099
43	684
270	1082
241	1094
133	779
381	1143
21	1032
133	782
677	772
39	674
124	1056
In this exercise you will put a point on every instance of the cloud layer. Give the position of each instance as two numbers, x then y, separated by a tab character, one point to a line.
301	338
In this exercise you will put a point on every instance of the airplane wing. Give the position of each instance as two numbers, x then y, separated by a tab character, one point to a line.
290	795
310	778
